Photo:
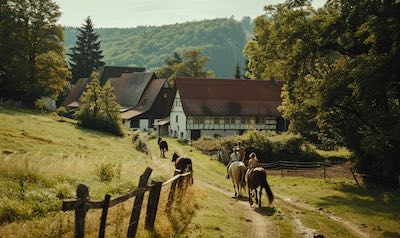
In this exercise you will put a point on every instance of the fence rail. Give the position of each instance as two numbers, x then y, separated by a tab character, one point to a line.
81	205
294	165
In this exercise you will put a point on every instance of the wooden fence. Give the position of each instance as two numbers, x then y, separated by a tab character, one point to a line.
293	165
82	204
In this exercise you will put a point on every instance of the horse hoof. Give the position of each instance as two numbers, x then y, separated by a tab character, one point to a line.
235	194
259	205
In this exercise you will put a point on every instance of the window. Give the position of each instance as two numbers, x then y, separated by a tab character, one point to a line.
216	120
176	118
201	120
196	120
260	120
227	120
242	120
181	134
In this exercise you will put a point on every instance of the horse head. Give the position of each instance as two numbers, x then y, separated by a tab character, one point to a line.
159	140
175	156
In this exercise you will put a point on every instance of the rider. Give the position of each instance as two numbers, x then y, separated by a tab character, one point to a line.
253	161
242	151
235	156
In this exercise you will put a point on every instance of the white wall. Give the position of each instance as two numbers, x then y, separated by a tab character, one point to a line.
178	119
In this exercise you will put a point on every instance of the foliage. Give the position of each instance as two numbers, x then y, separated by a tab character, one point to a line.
191	65
39	104
106	172
149	46
237	74
268	146
99	108
61	111
340	67
32	61
86	54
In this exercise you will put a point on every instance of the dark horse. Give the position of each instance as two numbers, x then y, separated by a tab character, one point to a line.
183	164
163	146
255	178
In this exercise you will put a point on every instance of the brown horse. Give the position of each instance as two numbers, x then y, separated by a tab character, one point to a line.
183	164
255	178
163	146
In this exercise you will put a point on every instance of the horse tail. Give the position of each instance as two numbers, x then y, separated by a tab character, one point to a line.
166	146
242	175
268	189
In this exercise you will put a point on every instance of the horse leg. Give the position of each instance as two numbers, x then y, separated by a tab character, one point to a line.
259	201
250	196
256	195
234	186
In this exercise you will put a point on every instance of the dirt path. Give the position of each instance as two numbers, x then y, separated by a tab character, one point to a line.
262	226
350	226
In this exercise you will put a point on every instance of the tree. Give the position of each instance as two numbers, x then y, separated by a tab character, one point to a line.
237	73
192	64
99	109
86	54
29	37
341	66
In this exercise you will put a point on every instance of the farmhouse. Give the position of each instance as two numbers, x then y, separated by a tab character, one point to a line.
220	107
144	99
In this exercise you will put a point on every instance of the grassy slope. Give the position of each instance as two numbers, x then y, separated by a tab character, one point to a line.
53	157
378	212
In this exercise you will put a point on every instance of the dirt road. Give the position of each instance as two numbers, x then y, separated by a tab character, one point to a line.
262	226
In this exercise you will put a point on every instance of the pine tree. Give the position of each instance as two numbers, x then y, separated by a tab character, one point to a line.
238	74
86	54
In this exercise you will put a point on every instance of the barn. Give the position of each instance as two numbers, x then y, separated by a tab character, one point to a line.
221	107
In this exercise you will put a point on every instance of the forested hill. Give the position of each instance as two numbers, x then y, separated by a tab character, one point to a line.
222	39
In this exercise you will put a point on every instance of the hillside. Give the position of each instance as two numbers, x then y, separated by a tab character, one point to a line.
223	41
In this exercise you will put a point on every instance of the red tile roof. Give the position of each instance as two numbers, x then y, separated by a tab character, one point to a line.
229	97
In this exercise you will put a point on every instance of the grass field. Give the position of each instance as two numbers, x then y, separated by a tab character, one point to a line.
43	159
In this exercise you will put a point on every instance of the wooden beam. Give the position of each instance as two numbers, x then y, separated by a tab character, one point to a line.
152	205
134	221
82	193
103	220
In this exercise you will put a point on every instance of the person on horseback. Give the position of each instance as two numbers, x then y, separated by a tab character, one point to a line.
235	156
242	151
253	163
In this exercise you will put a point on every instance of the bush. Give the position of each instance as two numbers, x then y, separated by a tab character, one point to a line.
39	104
100	122
61	111
11	210
106	172
268	146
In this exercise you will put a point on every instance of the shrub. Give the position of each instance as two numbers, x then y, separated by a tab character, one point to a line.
106	172
61	111
11	210
39	104
268	146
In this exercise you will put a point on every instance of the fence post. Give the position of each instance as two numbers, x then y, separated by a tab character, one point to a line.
82	194
171	194
152	205
354	176
106	204
324	171
281	172
133	223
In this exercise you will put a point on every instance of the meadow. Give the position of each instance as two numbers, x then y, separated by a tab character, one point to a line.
43	158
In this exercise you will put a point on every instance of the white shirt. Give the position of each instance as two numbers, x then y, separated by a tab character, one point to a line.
235	156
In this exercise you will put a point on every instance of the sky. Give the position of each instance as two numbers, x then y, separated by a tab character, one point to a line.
132	13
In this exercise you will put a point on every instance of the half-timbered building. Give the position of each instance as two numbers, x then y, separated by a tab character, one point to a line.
220	107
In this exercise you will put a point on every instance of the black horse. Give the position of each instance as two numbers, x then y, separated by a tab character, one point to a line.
163	146
183	164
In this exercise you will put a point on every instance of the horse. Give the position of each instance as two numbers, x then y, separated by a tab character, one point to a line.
255	178
183	164
163	146
237	171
